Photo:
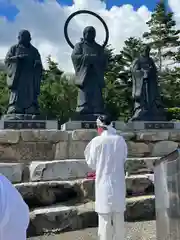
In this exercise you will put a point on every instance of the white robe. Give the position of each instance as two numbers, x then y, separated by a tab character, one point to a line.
106	154
14	213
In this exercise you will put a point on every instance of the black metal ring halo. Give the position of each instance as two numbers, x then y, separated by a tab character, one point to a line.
85	12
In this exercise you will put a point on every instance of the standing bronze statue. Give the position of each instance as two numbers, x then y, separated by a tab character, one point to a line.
24	73
90	62
147	100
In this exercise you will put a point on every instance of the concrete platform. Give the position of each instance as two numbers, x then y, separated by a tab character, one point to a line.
134	231
71	216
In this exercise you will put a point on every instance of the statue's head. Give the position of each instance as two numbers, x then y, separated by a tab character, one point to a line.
146	50
24	37
89	34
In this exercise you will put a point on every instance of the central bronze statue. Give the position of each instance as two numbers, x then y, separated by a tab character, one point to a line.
24	73
90	62
147	100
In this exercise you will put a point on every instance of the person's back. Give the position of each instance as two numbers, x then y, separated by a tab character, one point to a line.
14	213
106	154
110	175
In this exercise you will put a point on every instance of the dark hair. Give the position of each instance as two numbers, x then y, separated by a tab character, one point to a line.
105	119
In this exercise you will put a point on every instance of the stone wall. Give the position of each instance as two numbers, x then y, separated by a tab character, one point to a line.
45	155
47	145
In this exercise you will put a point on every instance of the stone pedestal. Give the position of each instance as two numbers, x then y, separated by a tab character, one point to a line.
122	126
74	125
28	124
140	125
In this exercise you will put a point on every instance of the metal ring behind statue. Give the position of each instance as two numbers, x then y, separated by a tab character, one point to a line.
85	12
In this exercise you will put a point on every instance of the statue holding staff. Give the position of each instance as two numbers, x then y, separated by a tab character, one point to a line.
145	92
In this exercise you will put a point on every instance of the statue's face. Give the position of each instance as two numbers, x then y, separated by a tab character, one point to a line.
89	34
24	37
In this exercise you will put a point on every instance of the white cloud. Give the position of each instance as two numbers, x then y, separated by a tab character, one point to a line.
175	7
46	21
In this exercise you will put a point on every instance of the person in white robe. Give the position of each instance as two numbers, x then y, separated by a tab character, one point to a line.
14	213
106	155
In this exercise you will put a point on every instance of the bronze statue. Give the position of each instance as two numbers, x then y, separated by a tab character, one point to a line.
24	73
145	92
90	62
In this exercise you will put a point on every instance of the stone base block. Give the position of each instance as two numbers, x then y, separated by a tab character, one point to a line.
153	125
74	169
58	170
66	217
28	124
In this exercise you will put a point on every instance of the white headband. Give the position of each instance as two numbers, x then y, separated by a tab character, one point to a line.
101	124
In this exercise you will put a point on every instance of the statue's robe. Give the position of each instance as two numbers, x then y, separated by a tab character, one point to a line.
145	92
89	72
23	79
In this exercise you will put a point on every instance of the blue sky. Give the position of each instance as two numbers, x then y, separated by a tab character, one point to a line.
10	11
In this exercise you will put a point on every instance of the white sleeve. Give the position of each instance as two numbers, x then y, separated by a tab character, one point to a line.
124	148
90	155
125	151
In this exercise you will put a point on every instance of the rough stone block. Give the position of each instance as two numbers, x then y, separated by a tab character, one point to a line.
83	135
61	151
152	136
47	193
13	171
163	148
76	149
58	170
27	151
9	136
127	135
138	149
139	165
50	192
174	136
56	218
140	208
85	189
51	136
139	184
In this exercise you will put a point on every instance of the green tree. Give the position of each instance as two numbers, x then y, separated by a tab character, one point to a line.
162	36
4	93
58	95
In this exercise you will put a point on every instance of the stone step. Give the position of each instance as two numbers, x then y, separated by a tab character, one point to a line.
51	192
71	216
65	169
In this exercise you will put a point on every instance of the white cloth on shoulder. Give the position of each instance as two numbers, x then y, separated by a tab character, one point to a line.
14	212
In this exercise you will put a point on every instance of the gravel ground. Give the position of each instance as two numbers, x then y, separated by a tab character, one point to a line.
134	231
